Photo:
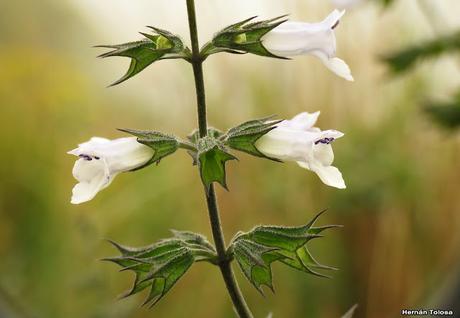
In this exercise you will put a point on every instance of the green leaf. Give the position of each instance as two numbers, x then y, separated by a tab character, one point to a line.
257	249
166	274
405	59
154	47
160	265
244	37
212	157
243	137
162	144
447	114
254	260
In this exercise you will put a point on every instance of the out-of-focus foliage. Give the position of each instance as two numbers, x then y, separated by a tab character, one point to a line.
350	312
445	113
386	3
407	58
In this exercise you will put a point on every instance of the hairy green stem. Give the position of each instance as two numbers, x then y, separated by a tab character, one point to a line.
197	63
223	262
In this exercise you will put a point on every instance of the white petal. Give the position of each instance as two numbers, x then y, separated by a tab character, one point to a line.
320	159
336	65
302	121
122	154
329	175
287	144
102	159
332	19
93	176
330	133
299	38
126	154
90	146
323	154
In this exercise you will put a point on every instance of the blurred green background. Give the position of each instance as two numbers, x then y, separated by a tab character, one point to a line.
401	241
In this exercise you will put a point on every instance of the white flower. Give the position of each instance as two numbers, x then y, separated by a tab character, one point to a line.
318	39
100	160
298	140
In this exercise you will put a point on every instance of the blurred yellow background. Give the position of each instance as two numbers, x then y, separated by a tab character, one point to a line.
401	211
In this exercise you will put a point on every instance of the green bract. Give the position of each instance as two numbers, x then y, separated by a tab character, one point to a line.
257	249
211	158
211	153
243	137
159	46
161	265
163	145
244	37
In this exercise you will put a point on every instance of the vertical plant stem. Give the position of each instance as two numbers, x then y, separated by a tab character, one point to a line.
197	63
224	263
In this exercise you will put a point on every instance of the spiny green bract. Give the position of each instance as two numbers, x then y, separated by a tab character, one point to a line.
211	158
257	249
211	152
154	47
244	37
162	144
244	136
161	265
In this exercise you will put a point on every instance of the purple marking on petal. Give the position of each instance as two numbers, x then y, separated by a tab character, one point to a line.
335	25
86	157
325	141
